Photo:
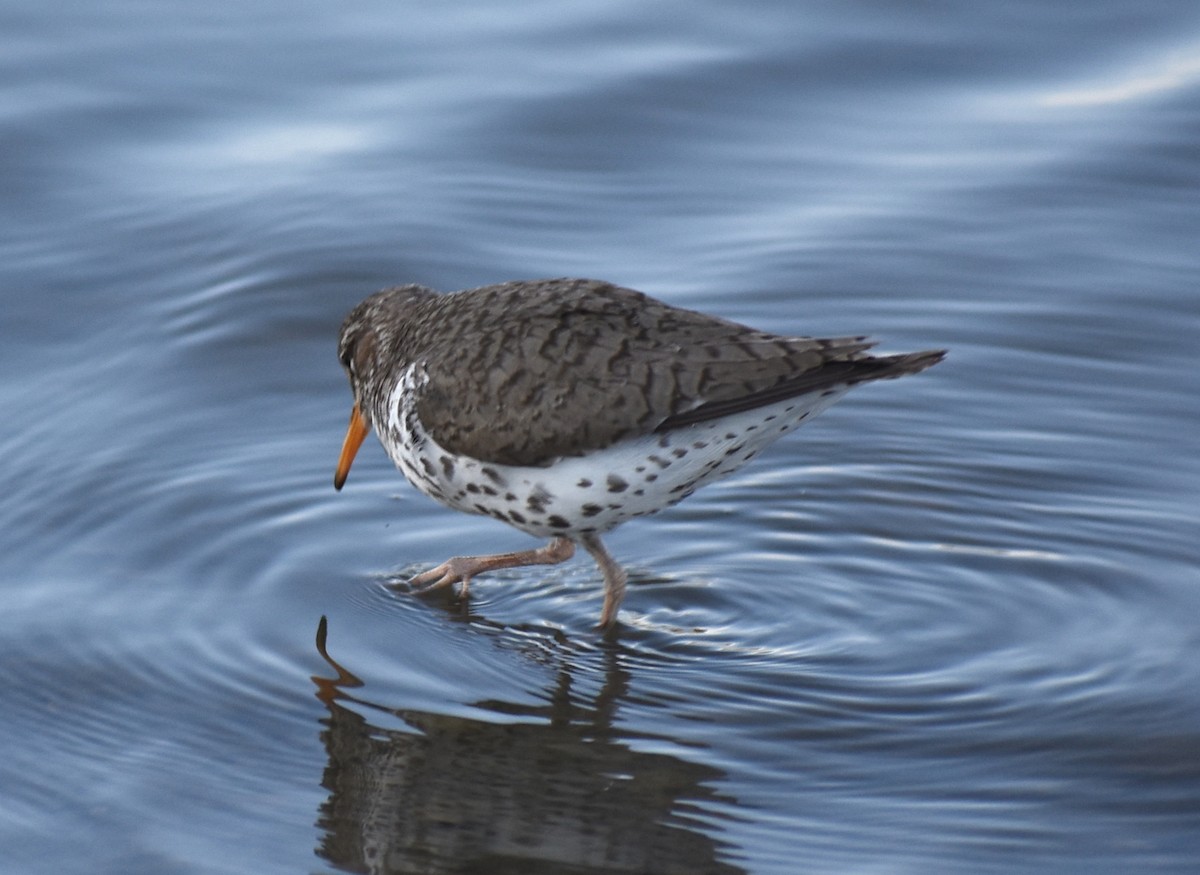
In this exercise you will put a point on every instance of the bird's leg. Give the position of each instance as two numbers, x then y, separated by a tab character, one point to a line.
463	568
614	579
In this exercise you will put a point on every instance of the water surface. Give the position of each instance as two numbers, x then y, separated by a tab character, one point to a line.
948	626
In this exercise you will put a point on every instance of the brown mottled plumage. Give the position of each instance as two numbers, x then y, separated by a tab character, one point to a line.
493	390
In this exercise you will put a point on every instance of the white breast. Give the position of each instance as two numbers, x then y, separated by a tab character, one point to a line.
597	491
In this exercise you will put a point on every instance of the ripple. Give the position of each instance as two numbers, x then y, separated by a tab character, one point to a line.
948	626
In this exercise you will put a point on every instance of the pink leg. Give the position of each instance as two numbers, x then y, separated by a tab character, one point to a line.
463	568
614	579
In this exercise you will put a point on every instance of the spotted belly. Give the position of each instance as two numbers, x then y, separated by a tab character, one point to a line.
599	490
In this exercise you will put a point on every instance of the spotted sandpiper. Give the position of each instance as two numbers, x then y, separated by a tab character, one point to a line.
565	407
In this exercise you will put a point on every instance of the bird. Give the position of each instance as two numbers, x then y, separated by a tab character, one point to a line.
566	407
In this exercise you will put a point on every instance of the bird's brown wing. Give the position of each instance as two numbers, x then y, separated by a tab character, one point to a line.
563	366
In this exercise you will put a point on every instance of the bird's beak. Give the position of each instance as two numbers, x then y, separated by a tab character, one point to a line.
355	435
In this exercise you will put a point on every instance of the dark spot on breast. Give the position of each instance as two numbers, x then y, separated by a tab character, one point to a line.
650	478
660	461
516	517
428	466
771	418
730	436
473	488
487	490
616	484
584	483
479	508
493	475
679	452
538	500
699	445
557	522
508	496
591	509
447	466
735	449
639	492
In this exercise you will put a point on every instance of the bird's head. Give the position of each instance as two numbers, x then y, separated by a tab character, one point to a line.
369	350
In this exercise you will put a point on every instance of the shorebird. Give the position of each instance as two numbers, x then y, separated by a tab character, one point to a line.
565	407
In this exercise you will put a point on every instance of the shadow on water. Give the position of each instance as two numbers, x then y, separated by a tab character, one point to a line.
554	792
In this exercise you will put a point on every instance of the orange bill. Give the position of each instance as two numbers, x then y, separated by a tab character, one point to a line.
355	435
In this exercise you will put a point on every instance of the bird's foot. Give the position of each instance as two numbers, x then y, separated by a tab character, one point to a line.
460	569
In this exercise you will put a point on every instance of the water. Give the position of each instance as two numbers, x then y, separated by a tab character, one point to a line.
948	626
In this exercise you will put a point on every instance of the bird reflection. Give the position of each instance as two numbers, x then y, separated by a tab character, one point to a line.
558	792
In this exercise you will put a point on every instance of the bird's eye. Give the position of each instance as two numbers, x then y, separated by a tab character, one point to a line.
360	357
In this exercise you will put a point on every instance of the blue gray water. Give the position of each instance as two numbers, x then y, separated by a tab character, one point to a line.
952	625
